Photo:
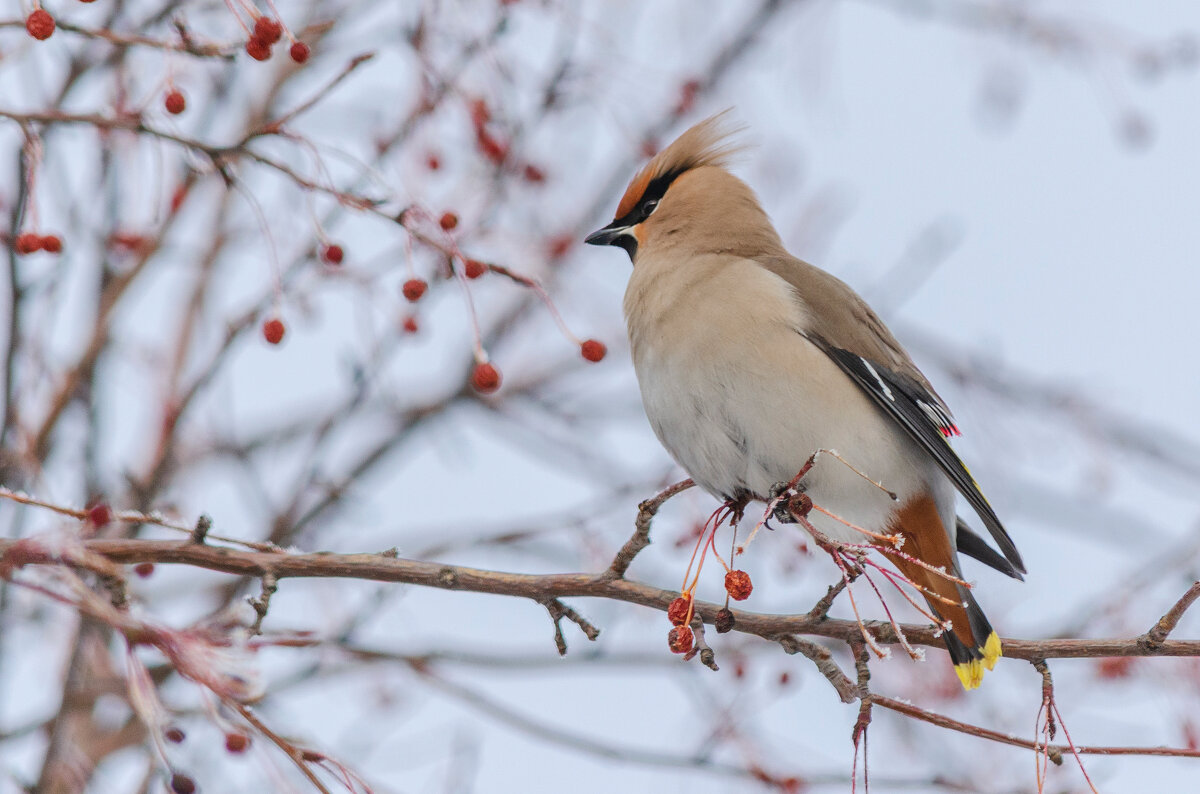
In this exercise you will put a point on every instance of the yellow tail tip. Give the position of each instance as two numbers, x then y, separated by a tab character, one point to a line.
992	651
971	673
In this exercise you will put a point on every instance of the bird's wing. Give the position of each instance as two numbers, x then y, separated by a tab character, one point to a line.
972	545
842	325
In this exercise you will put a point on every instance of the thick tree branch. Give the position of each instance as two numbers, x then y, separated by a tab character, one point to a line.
544	587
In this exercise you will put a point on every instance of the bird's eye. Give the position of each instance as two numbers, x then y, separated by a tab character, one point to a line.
648	206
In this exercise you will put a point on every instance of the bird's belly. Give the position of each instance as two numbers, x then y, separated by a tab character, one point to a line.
739	424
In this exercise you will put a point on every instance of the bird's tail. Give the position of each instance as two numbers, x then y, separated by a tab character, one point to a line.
974	646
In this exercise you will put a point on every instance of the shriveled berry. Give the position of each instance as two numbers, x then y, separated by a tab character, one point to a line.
678	612
737	584
533	174
144	569
724	621
801	505
410	325
51	243
258	49
236	742
268	30
174	735
332	254
432	161
593	350
312	756
99	514
680	639
175	102
414	288
299	52
473	268
273	330
182	784
448	221
485	378
27	243
40	24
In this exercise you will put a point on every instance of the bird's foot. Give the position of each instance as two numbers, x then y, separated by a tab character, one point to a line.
791	503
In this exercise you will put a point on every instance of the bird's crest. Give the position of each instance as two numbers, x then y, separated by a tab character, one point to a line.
706	143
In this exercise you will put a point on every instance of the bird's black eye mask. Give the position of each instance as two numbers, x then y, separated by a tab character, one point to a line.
619	232
649	200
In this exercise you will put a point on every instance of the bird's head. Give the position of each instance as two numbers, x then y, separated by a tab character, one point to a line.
686	197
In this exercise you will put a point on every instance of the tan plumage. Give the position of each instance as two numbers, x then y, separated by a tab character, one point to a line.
749	360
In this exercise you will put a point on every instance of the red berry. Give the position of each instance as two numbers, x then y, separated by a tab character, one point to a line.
175	102
432	161
723	621
485	378
27	243
332	254
680	639
492	148
473	268
737	584
273	330
174	735
410	325
593	350
1114	667
299	52
51	244
182	784
258	49
268	30
99	514
534	174
144	569
178	197
414	288
480	114
678	612
560	245
448	221
236	742
40	24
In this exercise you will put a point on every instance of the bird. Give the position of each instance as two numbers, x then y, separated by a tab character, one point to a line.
750	360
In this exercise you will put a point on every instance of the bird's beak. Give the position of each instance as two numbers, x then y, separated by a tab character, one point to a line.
608	235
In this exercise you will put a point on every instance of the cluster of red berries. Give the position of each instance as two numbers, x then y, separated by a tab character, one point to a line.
681	639
39	24
267	32
28	243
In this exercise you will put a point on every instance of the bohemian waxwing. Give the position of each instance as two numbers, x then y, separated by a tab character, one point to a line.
750	360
